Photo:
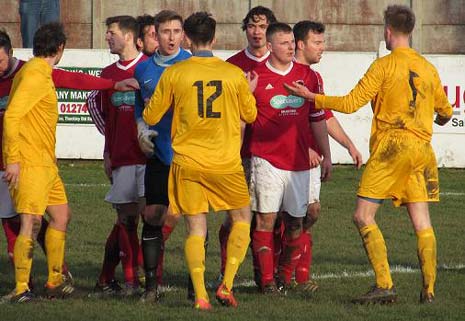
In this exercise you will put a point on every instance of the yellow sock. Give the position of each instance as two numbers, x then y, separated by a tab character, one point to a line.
55	247
195	256
237	246
22	256
426	244
377	254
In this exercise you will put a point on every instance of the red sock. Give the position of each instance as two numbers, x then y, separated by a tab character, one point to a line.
166	231
111	259
302	271
223	236
292	250
11	227
278	233
263	250
128	253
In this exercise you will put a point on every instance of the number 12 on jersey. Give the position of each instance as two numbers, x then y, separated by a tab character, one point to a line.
209	102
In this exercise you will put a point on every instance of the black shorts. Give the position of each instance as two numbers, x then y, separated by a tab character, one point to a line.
156	182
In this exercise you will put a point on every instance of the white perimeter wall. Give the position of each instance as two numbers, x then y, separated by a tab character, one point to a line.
340	71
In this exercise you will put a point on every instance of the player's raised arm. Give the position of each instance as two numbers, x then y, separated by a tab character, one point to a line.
360	95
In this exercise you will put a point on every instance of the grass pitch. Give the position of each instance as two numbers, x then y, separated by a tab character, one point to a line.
339	262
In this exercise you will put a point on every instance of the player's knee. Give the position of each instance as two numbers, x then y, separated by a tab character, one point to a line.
293	227
359	220
265	222
129	222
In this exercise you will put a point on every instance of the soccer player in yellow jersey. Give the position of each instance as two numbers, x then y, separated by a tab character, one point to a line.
405	93
31	170
209	98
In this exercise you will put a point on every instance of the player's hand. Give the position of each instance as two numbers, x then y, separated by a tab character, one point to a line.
252	79
127	85
326	169
315	159
11	175
441	120
145	136
107	165
356	156
298	89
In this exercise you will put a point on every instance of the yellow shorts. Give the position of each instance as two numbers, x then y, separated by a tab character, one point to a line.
403	167
38	188
191	192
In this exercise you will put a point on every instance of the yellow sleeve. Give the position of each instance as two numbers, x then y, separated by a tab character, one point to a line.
26	92
160	101
363	92
441	103
247	104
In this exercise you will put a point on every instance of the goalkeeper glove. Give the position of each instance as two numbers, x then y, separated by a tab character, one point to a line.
145	135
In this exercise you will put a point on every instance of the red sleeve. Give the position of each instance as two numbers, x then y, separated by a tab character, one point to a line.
80	81
328	114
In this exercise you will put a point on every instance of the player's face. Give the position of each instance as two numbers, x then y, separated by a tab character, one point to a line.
169	36
313	47
115	38
282	47
149	41
5	62
256	31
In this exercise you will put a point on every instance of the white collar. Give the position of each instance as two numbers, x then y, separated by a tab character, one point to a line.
279	72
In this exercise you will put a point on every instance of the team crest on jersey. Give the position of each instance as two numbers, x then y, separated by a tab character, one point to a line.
3	103
123	98
281	101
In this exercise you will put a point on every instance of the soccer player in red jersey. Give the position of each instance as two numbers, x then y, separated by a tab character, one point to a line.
254	24
123	160
280	159
310	44
9	66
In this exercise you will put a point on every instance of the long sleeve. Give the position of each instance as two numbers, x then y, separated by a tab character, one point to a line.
363	92
94	104
247	103
81	81
26	92
160	101
441	103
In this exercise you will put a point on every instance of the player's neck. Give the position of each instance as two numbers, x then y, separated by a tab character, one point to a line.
51	61
201	48
279	65
257	52
299	57
129	53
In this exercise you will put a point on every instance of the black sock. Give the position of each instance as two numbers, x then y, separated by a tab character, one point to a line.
152	239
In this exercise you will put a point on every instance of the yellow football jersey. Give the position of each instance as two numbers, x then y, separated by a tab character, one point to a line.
405	91
31	116
209	97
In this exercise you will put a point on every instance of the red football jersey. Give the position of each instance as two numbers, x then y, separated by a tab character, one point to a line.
328	113
281	132
120	125
247	62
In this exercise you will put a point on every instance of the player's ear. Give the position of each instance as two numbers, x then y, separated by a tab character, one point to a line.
214	41
268	46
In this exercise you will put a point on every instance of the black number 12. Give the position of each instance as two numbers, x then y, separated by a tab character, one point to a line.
219	90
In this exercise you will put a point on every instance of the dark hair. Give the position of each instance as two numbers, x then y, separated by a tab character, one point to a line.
48	39
400	18
165	16
5	41
200	28
144	21
302	28
126	24
257	11
275	28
